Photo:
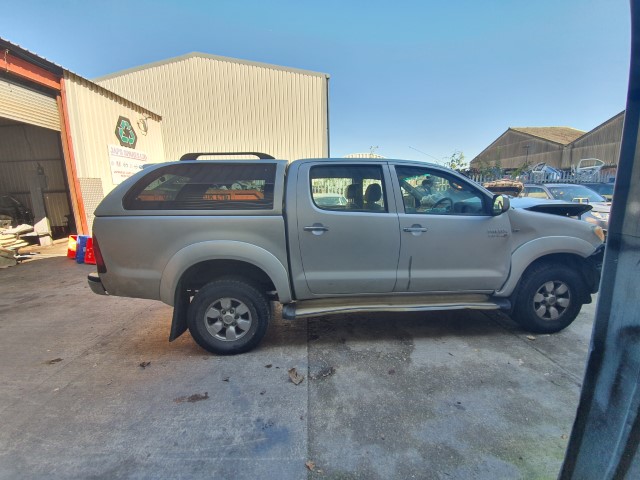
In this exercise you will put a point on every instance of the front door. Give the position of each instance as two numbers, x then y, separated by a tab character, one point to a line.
348	235
450	240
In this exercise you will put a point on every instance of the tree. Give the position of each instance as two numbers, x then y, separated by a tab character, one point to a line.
456	161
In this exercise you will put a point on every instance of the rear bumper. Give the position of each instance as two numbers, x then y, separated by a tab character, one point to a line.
95	284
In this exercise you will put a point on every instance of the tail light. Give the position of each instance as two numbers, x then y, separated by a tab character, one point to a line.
102	268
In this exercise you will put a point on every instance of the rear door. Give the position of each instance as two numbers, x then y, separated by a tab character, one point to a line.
348	234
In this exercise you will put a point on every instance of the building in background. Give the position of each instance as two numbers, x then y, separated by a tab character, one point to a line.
520	146
58	139
219	104
363	155
558	147
66	141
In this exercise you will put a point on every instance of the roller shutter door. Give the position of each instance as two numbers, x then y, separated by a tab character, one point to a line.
28	106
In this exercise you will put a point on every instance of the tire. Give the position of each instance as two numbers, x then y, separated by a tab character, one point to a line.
549	299
228	317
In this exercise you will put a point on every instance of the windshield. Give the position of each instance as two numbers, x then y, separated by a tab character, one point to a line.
603	188
575	193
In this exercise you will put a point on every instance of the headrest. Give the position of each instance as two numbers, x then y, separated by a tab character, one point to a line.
373	193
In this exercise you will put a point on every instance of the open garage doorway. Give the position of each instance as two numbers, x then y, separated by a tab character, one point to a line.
33	177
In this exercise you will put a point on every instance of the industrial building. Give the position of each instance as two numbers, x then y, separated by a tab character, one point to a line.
558	147
218	104
66	141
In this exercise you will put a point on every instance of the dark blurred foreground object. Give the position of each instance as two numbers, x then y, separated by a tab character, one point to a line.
606	433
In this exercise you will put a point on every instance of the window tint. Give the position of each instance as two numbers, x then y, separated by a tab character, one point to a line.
204	186
348	188
426	191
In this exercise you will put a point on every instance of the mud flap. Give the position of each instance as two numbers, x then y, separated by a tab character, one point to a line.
180	306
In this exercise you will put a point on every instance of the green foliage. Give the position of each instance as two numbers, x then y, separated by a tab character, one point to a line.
456	161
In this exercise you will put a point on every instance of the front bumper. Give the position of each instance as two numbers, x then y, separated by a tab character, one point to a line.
95	284
594	269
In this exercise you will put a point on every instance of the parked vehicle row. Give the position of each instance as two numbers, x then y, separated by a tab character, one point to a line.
573	192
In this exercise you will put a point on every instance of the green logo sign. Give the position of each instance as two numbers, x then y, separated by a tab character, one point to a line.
125	133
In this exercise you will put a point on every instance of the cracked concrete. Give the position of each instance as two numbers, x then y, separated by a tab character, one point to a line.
438	395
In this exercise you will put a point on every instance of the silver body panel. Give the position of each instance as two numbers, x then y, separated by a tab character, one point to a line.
460	261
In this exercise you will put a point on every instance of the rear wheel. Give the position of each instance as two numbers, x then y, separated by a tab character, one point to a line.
550	299
228	316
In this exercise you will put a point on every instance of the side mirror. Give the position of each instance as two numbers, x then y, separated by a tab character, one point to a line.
500	204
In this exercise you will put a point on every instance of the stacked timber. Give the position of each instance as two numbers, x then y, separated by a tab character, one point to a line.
14	238
7	258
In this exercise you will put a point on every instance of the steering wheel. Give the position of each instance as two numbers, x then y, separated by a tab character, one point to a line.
440	203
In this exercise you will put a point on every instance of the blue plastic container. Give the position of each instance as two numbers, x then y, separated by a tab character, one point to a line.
81	248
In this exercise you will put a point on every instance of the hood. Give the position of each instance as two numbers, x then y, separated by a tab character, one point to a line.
601	207
555	207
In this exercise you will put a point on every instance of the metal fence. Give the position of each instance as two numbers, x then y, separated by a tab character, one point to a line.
540	177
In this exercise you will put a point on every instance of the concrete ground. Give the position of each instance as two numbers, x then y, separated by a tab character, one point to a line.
91	389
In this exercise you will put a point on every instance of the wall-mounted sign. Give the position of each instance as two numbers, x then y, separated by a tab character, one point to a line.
125	133
124	162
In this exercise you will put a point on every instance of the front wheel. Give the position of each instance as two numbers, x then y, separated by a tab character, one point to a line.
549	299
228	317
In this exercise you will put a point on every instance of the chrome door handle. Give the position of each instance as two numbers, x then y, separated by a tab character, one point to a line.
414	229
316	229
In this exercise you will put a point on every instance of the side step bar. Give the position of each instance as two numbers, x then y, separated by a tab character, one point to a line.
338	306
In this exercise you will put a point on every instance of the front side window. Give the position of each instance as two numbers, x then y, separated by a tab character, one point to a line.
204	186
426	191
348	188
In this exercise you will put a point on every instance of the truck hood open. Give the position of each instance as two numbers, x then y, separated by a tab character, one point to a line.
555	207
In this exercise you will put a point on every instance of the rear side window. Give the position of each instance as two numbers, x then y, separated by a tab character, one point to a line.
348	187
204	186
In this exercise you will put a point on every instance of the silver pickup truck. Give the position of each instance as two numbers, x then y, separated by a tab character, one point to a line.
219	240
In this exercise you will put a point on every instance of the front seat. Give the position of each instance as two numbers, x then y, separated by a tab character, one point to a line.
373	194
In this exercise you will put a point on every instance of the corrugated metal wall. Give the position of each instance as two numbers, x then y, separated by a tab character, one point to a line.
22	104
222	105
602	142
513	149
24	148
93	116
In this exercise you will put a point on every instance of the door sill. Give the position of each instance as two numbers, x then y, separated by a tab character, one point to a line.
392	303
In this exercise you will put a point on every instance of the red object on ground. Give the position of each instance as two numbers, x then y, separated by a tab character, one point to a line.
89	255
72	245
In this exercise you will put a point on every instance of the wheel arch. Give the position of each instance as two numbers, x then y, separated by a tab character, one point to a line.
569	251
201	263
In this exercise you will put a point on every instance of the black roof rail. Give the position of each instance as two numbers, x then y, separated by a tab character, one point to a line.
195	156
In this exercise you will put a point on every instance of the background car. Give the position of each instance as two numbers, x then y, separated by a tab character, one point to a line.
540	172
14	212
572	192
604	189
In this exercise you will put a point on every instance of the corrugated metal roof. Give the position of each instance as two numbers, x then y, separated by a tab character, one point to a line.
32	57
213	57
58	70
561	135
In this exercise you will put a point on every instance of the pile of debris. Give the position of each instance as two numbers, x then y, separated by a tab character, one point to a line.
20	236
505	186
11	239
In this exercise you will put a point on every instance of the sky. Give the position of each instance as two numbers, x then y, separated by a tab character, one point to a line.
409	79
